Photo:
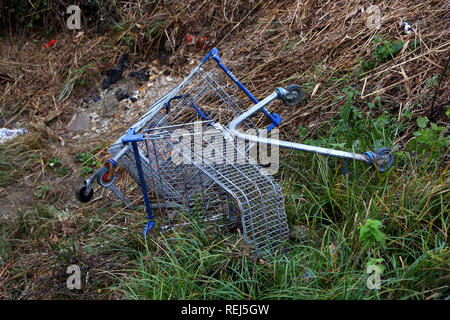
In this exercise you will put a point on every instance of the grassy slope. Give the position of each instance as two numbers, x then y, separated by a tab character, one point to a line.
328	261
326	257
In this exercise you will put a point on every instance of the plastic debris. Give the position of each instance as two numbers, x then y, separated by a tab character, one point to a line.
49	44
121	94
408	27
199	42
115	73
8	134
134	96
334	256
142	74
189	39
306	277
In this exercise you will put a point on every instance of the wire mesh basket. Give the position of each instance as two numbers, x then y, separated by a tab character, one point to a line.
191	160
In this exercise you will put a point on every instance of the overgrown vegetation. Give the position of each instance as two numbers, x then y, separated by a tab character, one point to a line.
18	158
364	89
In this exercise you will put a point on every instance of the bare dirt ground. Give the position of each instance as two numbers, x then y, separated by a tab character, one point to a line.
98	119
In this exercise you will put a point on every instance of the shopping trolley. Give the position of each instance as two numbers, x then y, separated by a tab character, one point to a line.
191	154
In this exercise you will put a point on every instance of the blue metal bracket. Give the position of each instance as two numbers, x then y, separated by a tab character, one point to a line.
276	121
131	136
148	227
113	162
371	157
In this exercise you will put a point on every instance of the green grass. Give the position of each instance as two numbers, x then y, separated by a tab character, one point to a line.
18	157
413	210
340	225
408	205
397	220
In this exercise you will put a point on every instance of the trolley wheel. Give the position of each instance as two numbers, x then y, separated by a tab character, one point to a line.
102	177
81	194
384	159
294	96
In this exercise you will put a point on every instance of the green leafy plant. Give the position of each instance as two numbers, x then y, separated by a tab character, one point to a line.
302	131
370	234
349	113
42	192
56	165
387	50
88	163
429	138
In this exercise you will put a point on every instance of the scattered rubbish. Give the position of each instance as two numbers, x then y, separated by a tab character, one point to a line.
8	134
133	98
306	277
121	94
123	60
334	256
407	27
49	44
190	39
142	74
92	95
115	73
199	42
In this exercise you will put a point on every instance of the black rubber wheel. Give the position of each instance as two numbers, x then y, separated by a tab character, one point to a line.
384	159
81	194
294	96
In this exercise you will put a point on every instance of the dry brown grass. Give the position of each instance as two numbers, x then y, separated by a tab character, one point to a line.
266	44
319	42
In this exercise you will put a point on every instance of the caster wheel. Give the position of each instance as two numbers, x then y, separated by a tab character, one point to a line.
294	96
102	177
81	193
384	159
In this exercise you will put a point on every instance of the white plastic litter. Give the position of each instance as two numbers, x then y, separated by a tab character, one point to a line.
8	134
408	28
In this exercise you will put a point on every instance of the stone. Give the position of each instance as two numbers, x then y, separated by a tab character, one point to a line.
80	122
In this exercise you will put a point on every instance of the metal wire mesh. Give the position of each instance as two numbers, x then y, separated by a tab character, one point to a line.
226	188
